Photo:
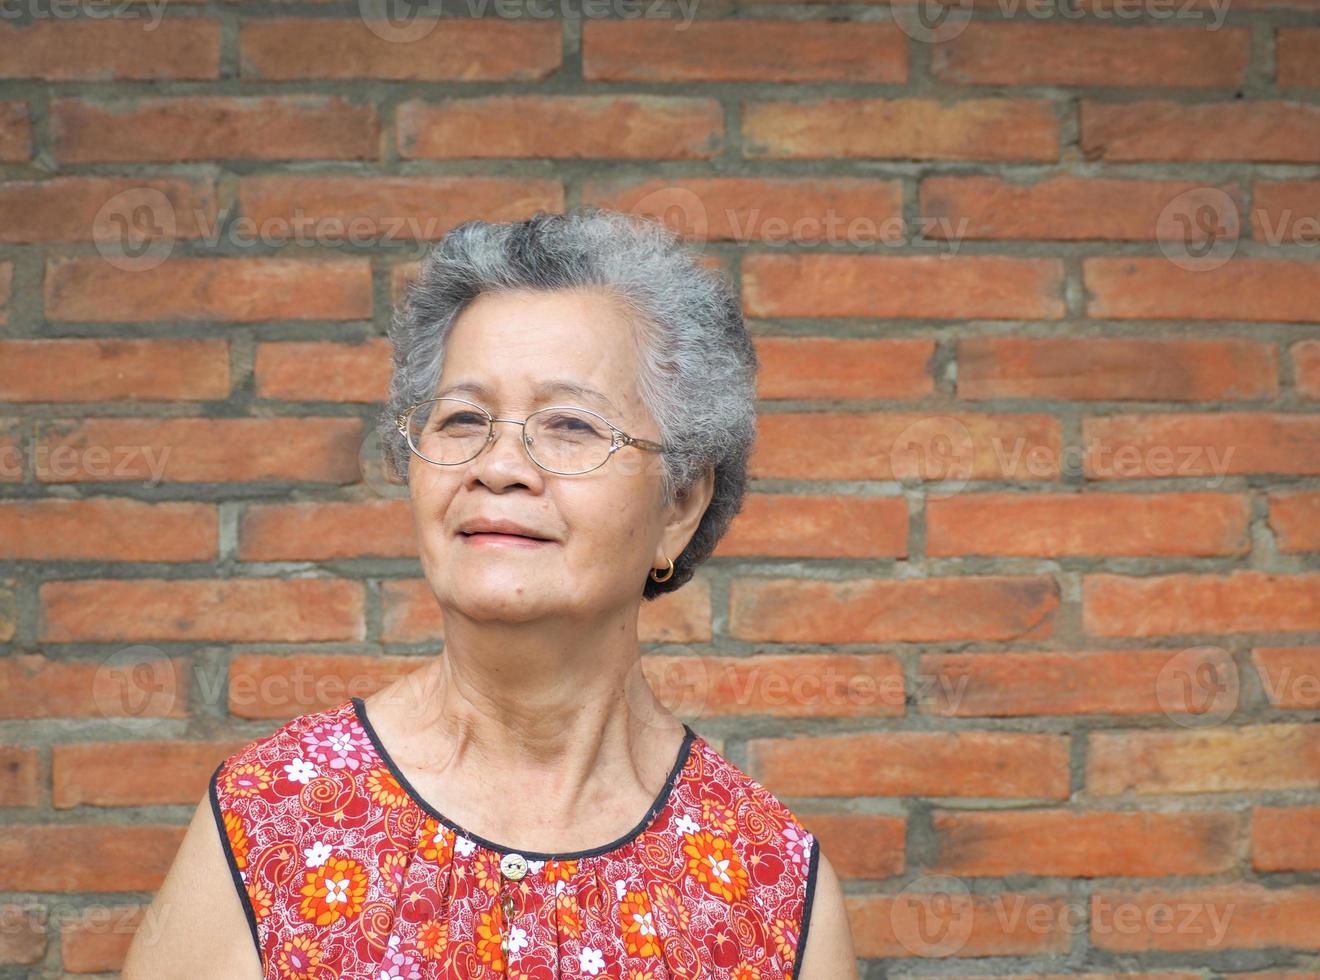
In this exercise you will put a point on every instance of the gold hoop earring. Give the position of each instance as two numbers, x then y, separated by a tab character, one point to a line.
668	575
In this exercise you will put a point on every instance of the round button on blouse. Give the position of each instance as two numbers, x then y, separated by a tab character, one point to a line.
514	866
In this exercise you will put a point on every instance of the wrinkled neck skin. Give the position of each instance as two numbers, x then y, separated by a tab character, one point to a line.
561	715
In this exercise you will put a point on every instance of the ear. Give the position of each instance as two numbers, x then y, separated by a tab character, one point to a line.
683	517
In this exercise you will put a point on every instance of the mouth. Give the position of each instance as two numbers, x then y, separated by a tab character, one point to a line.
492	537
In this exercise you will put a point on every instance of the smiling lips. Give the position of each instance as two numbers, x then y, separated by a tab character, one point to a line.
492	530
487	537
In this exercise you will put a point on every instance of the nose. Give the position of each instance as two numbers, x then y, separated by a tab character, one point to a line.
515	436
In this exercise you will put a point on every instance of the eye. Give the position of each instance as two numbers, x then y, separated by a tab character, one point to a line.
570	423
464	418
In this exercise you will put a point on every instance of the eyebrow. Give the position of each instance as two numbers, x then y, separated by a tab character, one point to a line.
556	386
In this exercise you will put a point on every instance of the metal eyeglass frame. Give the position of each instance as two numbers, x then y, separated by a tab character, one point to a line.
618	438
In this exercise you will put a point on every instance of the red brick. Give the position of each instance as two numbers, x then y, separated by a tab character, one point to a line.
842	210
842	367
402	275
1295	521
1161	975
1242	289
1244	601
324	371
199	450
938	446
1286	212
327	530
1306	357
1005	53
923	925
1125	8
779	685
1262	130
15	133
213	127
20	780
904	128
163	772
105	49
23	932
1243	759
457	49
820	526
859	845
1116	368
8	610
110	369
33	686
1092	523
928	610
107	529
251	610
389	208
223	289
562	127
651	50
281	686
1218	444
1061	208
65	209
1003	765
410	614
11	453
1289	676
97	940
1212	918
1067	843
1023	684
129	857
1297	56
909	286
1285	838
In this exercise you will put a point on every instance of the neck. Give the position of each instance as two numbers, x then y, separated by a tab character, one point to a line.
560	715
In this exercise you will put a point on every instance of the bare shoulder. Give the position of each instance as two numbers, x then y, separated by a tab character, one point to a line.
196	925
829	954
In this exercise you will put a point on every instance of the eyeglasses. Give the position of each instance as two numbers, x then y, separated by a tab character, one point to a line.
561	438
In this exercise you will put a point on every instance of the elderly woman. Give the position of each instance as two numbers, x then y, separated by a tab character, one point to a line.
572	408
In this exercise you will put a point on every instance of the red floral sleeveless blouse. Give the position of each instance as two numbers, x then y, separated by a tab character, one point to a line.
344	871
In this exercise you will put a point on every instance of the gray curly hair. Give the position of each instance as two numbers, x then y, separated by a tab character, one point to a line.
697	375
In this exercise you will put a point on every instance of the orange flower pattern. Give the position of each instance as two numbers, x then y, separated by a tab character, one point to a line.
344	873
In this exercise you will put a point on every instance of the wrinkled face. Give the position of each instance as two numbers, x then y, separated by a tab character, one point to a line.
603	526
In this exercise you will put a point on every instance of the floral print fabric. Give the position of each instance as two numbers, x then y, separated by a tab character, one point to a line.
345	873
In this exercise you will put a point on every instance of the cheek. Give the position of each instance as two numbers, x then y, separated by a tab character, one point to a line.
620	524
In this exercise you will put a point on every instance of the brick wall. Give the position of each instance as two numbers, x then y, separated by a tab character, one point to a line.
1023	613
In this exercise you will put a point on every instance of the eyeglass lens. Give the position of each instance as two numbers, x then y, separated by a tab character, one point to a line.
566	440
